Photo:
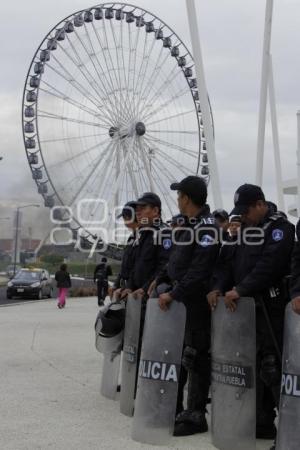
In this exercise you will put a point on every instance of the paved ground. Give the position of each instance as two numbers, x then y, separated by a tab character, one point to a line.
50	382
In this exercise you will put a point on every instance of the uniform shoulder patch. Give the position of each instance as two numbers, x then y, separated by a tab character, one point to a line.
277	235
206	240
167	243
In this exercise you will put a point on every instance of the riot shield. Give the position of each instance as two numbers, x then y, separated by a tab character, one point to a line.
130	355
111	348
288	435
99	342
159	368
233	376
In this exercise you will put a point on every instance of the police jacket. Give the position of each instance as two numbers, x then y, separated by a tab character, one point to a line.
295	278
150	253
127	263
192	260
260	260
63	279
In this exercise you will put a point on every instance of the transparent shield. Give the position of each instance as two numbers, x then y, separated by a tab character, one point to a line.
159	369
130	355
111	349
288	436
110	375
233	376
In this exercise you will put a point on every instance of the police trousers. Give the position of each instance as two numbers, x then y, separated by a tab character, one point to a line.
196	365
268	362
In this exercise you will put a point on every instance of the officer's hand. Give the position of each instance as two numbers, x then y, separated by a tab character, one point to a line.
111	291
296	304
151	288
212	298
231	298
124	293
138	293
164	301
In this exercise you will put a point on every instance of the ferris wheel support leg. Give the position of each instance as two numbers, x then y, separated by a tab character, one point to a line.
298	163
263	93
278	170
210	143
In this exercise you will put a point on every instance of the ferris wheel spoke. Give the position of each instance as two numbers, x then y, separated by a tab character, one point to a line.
168	79
173	131
81	174
48	115
71	138
162	106
154	74
171	160
103	74
99	160
146	166
76	104
173	116
126	77
84	152
108	79
70	79
166	86
165	196
134	69
173	146
112	64
62	96
141	84
92	82
136	79
125	113
78	66
108	170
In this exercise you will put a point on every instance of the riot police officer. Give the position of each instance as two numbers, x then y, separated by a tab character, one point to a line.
129	218
188	272
151	247
256	266
295	279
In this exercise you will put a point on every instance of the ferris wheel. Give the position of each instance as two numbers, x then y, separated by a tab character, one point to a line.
111	110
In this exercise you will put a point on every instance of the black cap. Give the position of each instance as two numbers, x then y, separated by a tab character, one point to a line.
148	198
235	219
221	213
193	186
245	196
128	210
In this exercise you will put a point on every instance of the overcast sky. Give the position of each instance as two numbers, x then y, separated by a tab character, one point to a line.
231	37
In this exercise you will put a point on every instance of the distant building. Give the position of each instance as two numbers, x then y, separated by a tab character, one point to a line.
6	245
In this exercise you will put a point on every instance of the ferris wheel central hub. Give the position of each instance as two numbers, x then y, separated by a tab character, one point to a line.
138	129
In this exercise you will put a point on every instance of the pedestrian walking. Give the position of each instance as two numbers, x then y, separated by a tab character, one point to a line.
63	281
101	274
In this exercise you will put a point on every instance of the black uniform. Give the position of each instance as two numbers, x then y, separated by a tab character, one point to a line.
295	278
101	274
189	271
259	271
150	253
127	264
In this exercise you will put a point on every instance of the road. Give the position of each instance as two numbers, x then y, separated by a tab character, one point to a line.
75	283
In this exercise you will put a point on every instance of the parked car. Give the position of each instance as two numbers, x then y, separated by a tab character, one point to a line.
10	270
30	283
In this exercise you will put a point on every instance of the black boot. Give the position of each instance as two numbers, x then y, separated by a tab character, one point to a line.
190	422
265	428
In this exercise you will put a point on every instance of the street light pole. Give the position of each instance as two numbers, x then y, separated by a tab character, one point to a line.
17	231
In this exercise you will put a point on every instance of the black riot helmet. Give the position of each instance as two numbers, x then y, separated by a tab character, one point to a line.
111	320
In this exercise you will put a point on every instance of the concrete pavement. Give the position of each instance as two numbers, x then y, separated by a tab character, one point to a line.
50	383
